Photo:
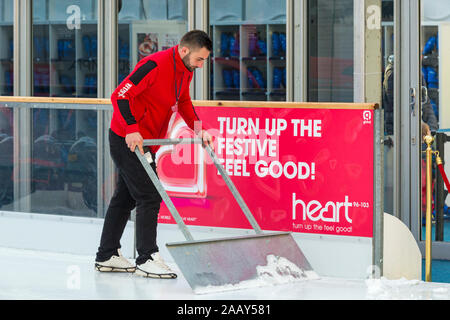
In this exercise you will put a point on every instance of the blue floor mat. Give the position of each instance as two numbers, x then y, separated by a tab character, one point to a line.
440	271
433	228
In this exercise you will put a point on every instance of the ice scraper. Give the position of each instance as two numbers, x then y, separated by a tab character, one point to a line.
225	261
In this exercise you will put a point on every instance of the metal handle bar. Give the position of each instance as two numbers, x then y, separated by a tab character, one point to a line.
165	142
166	198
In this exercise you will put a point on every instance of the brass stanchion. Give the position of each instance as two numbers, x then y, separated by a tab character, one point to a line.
429	152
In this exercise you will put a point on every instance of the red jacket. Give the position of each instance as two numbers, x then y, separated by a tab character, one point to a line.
143	101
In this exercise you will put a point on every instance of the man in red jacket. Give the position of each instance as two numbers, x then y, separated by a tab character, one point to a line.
143	105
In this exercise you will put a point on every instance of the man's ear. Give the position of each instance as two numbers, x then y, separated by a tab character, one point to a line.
184	51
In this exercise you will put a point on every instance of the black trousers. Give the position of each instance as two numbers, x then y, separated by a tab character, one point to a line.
134	190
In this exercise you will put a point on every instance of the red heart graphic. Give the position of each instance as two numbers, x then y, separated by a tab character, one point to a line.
353	170
333	163
273	192
181	168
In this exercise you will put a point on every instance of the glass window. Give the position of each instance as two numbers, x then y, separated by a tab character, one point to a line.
248	61
330	50
147	26
65	48
64	162
6	157
435	81
6	47
430	61
388	66
387	104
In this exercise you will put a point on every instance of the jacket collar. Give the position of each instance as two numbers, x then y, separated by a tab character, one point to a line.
179	63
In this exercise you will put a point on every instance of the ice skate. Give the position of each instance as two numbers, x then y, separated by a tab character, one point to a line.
155	268
117	263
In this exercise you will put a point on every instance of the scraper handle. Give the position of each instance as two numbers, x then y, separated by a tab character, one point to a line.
234	190
165	142
152	174
223	173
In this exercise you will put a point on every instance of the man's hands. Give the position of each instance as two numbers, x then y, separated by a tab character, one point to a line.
207	139
135	139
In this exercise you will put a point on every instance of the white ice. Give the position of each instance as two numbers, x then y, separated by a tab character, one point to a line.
28	274
278	270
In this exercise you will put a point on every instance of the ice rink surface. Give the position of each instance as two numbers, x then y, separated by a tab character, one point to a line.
39	275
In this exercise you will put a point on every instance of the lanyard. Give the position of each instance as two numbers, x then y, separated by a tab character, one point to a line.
177	90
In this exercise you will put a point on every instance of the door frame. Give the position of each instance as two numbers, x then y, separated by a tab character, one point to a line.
408	178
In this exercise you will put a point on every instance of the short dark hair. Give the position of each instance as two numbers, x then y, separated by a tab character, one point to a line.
196	39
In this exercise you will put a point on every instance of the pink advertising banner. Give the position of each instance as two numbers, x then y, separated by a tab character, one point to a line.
302	170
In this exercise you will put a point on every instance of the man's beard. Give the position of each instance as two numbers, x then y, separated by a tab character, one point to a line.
187	64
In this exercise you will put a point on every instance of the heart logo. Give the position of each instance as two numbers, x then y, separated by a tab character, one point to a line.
182	168
334	216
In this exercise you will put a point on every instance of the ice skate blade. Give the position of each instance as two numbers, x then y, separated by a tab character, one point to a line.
101	268
142	273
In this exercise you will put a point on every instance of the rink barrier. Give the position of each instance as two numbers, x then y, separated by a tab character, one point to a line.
377	217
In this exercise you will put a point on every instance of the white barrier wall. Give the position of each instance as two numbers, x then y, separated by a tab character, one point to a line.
330	256
401	254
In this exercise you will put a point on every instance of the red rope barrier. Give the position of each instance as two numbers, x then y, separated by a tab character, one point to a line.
441	169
